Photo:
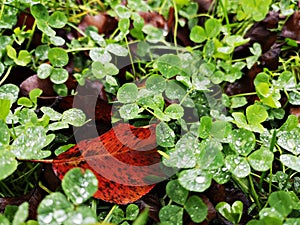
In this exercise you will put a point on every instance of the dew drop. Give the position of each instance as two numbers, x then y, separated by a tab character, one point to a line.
48	218
60	215
291	144
200	179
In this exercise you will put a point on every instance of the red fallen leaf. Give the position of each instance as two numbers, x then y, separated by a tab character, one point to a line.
124	159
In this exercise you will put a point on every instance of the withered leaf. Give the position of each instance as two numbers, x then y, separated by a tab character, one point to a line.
104	23
291	28
34	197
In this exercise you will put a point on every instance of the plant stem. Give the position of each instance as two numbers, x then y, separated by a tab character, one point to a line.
77	29
108	216
162	7
44	188
253	193
244	187
114	33
201	15
243	94
130	57
6	188
161	119
47	161
224	8
80	49
25	174
6	74
176	24
272	146
94	206
2	9
31	34
163	154
185	96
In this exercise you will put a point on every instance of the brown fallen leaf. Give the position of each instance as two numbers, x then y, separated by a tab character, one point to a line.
155	19
260	32
291	28
104	23
295	110
34	197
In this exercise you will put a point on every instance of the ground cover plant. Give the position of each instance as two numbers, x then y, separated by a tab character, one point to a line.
149	112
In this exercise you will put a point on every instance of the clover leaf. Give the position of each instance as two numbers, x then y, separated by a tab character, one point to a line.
232	213
22	59
196	208
183	155
8	163
176	192
128	93
212	28
268	94
39	12
58	57
257	9
289	140
79	185
255	115
172	214
54	209
243	141
291	161
261	160
237	165
195	179
165	135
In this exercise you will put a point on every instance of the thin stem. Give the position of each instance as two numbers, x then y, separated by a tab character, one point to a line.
270	180
108	216
185	96
2	9
243	94
253	193
114	33
163	154
25	174
224	8
77	29
78	15
80	49
44	188
100	4
6	74
31	34
176	24
48	161
94	206
288	98
130	57
262	179
158	117
201	15
2	184
162	7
